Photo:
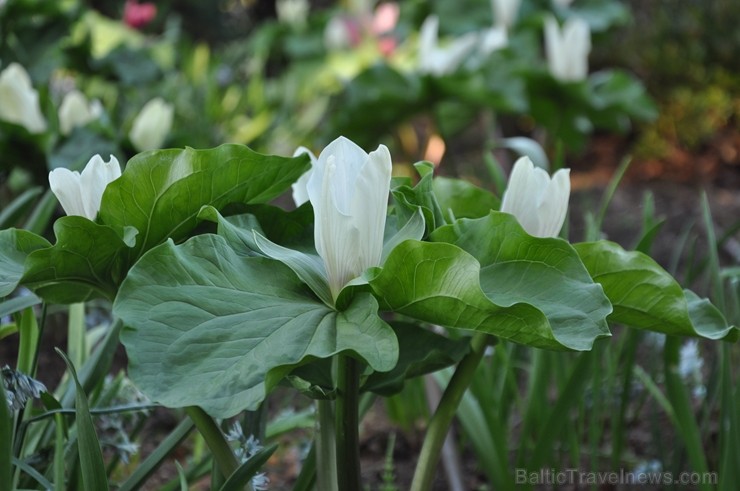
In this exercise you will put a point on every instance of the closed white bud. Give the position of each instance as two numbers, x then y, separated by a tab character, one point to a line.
152	125
538	202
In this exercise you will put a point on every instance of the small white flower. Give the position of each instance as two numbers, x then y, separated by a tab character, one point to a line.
538	202
567	49
19	101
292	12
492	39
76	111
336	34
300	187
81	194
151	125
505	12
348	189
437	60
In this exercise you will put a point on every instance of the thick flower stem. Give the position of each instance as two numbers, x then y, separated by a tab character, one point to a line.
347	424
442	418
222	453
326	449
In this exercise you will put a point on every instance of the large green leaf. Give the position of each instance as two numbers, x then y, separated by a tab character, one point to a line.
440	283
87	261
161	192
211	327
15	245
545	273
421	351
461	199
645	296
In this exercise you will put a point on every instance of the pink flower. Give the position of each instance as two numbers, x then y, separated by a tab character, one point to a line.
137	15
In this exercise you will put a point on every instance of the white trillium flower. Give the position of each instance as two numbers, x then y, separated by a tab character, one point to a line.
348	189
151	125
505	12
437	60
19	101
292	12
567	49
538	202
76	111
81	194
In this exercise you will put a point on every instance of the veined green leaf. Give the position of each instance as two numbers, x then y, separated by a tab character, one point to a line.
547	274
208	326
15	246
645	296
161	192
440	283
87	261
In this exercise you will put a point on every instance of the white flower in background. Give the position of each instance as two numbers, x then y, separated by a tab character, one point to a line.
505	12
538	202
492	39
292	12
19	101
80	194
567	49
76	111
151	125
348	189
437	60
690	367
336	34
300	187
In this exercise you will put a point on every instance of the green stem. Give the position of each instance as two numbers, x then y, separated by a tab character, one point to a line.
442	417
326	450
222	453
347	424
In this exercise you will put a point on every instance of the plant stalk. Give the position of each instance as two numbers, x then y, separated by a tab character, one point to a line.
326	449
347	424
222	453
442	417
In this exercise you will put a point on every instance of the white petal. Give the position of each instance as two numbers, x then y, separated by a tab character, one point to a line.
65	184
553	205
370	206
94	179
519	198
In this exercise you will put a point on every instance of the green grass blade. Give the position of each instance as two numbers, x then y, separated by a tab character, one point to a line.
91	457
11	213
28	329
558	415
156	458
25	467
687	427
729	466
6	441
243	475
59	484
39	220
